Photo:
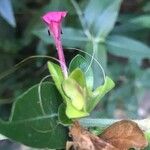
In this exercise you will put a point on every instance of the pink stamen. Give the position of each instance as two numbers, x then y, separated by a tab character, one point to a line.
54	23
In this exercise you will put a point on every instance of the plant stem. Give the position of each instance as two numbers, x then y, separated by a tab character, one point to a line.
82	20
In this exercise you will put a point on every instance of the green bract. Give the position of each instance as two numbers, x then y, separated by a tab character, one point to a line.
79	98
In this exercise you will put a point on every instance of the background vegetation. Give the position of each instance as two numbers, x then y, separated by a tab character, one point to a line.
121	35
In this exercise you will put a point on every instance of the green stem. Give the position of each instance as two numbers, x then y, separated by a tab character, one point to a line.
95	50
82	20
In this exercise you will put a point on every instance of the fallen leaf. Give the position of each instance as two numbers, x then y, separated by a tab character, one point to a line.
124	134
121	135
84	140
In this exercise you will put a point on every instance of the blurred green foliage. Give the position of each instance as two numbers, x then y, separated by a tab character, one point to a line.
122	44
120	40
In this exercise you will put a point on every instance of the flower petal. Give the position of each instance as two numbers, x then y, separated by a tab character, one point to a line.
54	21
54	17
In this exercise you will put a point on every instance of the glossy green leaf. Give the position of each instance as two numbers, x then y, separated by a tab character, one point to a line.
71	37
6	12
34	122
75	92
126	47
99	93
80	62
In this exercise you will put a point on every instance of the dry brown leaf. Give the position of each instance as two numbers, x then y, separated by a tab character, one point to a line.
121	135
124	134
84	140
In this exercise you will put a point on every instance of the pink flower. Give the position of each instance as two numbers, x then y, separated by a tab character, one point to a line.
54	23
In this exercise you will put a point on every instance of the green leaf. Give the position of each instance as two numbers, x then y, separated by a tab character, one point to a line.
74	92
80	62
62	115
92	10
101	16
105	22
99	93
142	21
134	24
126	47
146	7
6	12
56	74
57	5
71	37
34	122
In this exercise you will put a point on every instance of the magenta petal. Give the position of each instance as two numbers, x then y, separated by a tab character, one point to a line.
54	21
54	17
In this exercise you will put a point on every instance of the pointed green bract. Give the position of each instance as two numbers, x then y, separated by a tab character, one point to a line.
74	92
58	78
73	113
100	92
56	74
75	98
78	76
77	93
106	87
